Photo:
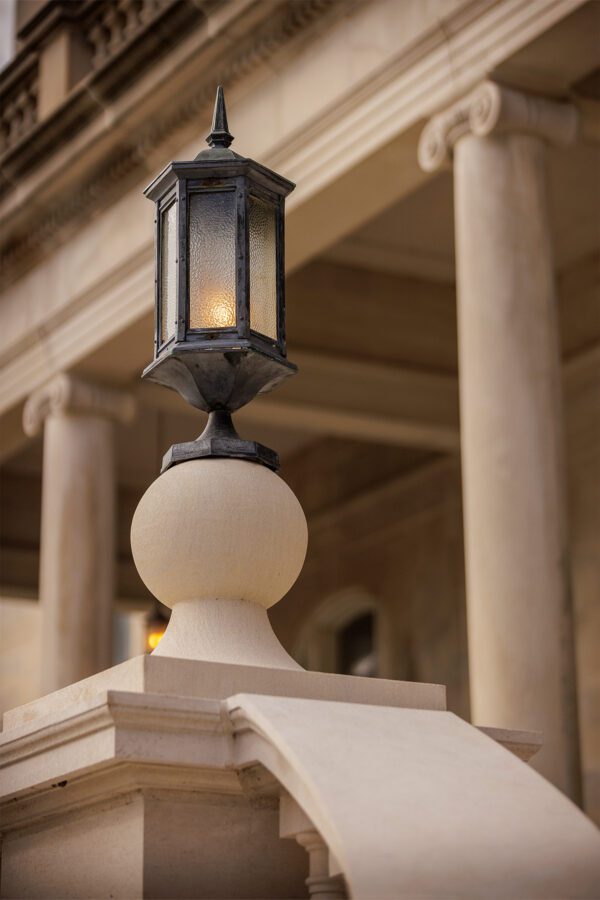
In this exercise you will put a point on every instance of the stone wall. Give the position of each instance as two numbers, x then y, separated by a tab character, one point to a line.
393	536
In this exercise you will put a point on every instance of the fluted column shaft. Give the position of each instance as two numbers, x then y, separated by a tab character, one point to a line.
76	584
521	650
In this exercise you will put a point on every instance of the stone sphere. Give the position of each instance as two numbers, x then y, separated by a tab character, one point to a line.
219	528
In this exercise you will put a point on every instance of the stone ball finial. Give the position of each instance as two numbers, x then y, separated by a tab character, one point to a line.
220	541
219	528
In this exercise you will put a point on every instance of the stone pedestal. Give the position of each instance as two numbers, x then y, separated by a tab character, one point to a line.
198	778
125	784
158	778
521	652
136	799
78	524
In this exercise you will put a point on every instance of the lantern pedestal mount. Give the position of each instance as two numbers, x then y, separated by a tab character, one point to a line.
220	439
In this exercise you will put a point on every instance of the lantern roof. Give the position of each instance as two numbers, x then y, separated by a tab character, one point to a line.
218	160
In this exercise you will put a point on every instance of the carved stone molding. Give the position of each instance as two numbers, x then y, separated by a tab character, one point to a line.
494	109
97	189
74	396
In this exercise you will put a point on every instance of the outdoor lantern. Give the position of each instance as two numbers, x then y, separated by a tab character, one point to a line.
219	308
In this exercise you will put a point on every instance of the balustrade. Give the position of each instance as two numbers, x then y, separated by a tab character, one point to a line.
114	24
106	27
19	109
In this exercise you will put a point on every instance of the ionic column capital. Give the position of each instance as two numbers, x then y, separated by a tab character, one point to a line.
493	109
74	396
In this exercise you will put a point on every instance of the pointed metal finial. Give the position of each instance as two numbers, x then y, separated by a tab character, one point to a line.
219	136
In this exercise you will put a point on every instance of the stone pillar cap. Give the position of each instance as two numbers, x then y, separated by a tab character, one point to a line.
72	395
493	108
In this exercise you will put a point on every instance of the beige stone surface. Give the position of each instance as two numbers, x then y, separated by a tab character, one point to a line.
496	109
325	879
524	744
583	444
219	529
64	60
231	631
219	847
133	796
76	582
69	858
220	540
77	556
20	646
520	620
194	678
436	809
392	546
521	649
152	795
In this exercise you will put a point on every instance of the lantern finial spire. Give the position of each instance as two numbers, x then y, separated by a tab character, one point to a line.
219	135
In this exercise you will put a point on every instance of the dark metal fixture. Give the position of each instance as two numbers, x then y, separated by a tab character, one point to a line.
220	305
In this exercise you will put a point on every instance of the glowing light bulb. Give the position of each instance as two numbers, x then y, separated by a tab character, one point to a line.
220	311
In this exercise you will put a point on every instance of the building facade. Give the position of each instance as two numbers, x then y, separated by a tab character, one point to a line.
443	433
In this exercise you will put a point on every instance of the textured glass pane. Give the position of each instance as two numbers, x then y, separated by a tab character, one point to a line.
168	283
263	280
212	260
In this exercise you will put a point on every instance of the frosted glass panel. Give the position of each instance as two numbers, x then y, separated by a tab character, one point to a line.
263	272
168	281
212	260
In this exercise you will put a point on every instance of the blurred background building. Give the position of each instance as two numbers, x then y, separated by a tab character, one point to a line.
96	96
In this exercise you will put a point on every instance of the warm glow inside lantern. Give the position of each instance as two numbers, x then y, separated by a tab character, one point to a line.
220	310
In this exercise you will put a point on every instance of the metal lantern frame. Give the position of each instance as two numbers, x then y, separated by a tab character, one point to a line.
219	369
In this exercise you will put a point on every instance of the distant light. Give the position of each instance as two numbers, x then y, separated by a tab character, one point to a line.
153	639
156	625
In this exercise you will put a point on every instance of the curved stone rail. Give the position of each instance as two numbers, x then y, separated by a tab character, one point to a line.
419	803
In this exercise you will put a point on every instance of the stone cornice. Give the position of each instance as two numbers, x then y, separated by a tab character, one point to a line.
121	781
73	396
495	109
111	51
130	741
384	106
287	22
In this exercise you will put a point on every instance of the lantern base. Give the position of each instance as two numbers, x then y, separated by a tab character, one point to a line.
220	440
220	375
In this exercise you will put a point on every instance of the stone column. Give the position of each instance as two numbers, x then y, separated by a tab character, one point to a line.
521	652
78	524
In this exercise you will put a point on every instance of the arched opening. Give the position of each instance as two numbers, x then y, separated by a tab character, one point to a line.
346	634
356	653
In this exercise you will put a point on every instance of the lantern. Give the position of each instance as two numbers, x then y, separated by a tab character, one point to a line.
219	295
